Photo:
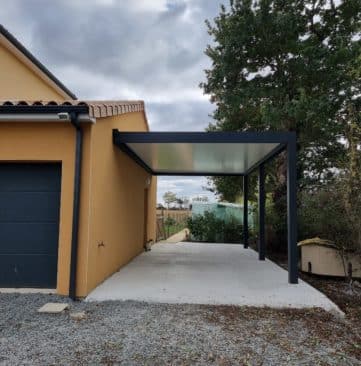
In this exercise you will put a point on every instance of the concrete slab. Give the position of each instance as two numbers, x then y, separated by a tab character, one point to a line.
196	273
53	308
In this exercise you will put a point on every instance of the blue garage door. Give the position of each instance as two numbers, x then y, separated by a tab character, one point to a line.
29	224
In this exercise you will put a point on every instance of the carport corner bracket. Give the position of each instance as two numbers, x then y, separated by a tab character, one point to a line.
76	204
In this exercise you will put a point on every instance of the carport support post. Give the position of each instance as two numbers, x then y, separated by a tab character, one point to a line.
245	211
261	214
292	210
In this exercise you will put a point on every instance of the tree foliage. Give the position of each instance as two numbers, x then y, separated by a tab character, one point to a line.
169	198
287	65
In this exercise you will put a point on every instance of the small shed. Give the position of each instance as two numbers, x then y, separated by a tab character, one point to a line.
321	257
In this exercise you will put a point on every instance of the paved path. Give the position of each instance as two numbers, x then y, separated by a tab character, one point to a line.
194	273
176	238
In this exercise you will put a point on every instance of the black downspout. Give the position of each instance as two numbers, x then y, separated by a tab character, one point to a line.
76	204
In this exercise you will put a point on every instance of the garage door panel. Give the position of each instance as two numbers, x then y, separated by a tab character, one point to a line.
29	206
28	238
28	271
29	224
30	177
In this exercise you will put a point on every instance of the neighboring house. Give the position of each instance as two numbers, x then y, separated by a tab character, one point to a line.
49	160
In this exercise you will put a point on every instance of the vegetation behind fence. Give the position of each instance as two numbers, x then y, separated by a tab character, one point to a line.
170	222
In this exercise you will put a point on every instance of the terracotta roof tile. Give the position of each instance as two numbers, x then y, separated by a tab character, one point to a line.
97	108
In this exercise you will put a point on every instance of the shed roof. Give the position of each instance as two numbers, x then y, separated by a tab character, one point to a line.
317	242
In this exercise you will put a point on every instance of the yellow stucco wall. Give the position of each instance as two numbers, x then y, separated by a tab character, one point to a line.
47	142
152	210
19	82
112	193
116	188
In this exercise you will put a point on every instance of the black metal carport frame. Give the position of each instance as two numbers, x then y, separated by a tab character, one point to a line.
284	140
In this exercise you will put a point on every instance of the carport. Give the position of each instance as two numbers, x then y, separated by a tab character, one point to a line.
221	154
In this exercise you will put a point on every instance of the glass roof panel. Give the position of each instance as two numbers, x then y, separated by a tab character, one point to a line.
198	158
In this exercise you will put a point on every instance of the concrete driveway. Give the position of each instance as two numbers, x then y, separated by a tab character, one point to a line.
196	273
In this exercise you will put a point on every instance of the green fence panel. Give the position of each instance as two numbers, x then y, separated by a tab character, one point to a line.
224	211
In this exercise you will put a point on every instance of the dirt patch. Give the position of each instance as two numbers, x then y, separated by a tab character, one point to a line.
347	298
339	291
292	330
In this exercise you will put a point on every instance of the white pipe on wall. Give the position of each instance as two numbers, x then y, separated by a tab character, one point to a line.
42	117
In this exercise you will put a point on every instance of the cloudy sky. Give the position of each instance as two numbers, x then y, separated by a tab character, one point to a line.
126	49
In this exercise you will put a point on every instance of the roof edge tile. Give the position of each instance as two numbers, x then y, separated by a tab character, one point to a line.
96	108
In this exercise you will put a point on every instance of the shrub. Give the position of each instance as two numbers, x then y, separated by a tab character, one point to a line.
326	214
169	222
276	227
323	214
209	228
232	231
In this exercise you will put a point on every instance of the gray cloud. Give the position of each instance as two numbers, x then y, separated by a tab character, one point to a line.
119	49
157	54
180	116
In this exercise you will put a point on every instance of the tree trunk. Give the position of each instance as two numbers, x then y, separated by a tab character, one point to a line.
353	181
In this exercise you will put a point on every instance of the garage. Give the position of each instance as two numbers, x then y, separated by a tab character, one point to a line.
59	222
29	224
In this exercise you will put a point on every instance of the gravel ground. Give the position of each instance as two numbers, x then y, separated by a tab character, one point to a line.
133	333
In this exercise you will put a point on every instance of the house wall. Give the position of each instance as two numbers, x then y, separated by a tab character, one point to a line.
47	142
152	210
115	204
112	193
20	82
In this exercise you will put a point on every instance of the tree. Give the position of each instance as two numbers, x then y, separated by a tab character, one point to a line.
179	202
286	65
169	197
352	182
